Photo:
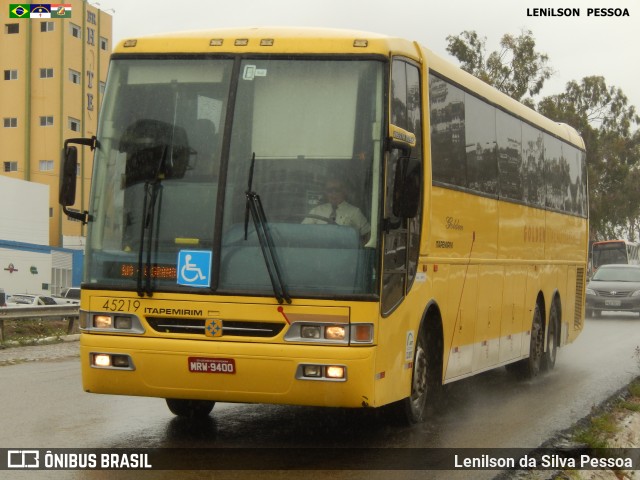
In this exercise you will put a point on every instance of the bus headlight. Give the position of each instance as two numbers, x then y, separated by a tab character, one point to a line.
102	321
115	323
341	334
313	332
335	332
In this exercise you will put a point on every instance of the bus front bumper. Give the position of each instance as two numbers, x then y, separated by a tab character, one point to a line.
228	371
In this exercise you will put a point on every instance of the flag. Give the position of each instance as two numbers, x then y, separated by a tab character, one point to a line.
40	10
19	10
61	10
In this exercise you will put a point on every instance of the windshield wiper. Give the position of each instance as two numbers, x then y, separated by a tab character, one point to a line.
152	197
254	207
152	192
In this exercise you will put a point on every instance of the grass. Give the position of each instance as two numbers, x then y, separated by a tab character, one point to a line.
602	426
599	431
34	331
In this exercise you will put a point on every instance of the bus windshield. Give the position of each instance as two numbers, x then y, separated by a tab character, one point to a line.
614	252
183	140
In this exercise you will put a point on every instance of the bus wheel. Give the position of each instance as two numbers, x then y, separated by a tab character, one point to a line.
530	367
190	408
549	357
416	404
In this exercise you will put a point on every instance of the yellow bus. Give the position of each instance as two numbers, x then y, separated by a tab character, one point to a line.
320	217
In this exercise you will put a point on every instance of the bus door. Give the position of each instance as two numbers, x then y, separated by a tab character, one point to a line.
403	185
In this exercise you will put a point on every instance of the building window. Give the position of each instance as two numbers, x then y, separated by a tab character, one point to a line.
12	28
74	124
101	87
46	121
11	74
46	73
46	165
74	76
75	31
10	166
104	43
10	122
46	26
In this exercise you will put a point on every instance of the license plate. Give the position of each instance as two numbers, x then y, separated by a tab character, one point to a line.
613	303
212	365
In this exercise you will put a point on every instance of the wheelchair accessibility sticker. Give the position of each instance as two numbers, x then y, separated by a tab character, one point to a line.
194	268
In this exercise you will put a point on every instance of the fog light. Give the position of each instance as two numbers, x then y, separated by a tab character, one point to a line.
335	372
102	360
120	361
312	371
311	331
102	321
334	332
122	323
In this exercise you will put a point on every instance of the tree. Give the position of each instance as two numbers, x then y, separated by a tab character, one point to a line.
517	69
604	118
600	113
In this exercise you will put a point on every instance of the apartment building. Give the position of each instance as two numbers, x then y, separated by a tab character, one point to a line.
54	70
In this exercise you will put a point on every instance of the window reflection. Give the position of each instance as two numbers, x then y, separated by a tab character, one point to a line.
478	147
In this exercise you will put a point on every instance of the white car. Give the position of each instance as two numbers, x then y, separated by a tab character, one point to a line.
30	300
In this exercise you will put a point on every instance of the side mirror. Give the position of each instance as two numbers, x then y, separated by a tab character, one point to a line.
406	188
68	176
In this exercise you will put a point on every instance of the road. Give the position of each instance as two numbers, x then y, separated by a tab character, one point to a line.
43	406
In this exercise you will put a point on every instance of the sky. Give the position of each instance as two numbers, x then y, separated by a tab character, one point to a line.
577	46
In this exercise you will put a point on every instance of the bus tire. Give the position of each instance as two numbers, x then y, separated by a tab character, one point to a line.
426	385
416	404
190	408
551	353
530	367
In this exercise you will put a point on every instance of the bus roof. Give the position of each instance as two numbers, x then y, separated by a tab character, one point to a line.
291	40
281	40
491	94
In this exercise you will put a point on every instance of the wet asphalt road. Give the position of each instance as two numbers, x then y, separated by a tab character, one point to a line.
43	406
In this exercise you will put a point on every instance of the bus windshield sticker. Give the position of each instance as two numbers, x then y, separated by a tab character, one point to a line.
249	72
194	268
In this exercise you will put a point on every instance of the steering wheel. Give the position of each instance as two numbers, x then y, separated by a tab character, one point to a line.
330	221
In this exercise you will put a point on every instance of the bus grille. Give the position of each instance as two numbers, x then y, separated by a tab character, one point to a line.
577	317
230	328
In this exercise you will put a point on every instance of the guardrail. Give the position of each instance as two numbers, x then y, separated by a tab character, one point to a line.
49	312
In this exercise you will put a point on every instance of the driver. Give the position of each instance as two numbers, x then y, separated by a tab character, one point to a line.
337	210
